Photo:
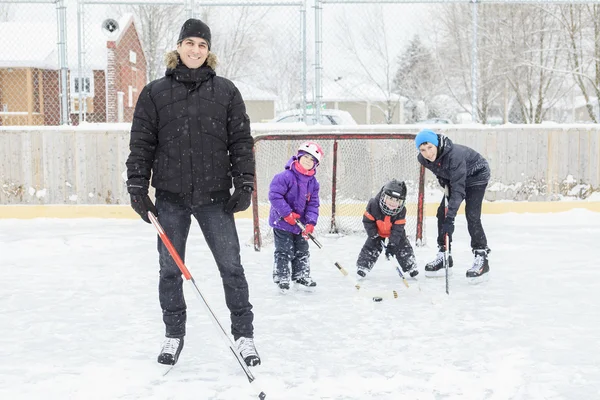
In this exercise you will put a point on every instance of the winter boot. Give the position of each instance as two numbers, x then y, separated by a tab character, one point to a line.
436	267
245	347
480	265
169	353
305	283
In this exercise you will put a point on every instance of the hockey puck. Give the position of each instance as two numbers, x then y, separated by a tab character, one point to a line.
377	299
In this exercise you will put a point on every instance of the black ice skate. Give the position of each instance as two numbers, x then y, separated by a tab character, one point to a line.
436	267
247	350
479	271
169	353
412	271
284	287
361	273
305	283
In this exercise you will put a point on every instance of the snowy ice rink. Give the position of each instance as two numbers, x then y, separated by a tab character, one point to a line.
80	318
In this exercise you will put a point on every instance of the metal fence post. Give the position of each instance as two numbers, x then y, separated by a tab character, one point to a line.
61	13
304	67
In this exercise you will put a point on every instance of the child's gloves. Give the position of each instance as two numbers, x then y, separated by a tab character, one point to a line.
390	251
309	229
291	219
378	238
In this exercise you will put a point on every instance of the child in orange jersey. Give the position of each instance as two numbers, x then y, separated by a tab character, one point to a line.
385	217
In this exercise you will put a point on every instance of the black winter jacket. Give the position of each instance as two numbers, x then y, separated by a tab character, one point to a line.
377	223
457	167
191	131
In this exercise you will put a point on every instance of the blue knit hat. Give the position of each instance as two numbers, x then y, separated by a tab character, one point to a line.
426	136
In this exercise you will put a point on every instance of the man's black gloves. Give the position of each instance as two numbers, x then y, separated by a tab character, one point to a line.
242	196
141	203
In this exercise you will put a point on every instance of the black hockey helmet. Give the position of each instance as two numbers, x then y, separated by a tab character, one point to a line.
392	198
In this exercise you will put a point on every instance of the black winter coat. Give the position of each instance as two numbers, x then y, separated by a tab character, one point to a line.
191	131
377	223
457	167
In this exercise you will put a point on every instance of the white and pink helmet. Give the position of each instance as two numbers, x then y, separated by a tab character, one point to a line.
313	149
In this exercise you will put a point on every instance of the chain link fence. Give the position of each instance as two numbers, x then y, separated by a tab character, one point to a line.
29	64
75	61
513	61
112	49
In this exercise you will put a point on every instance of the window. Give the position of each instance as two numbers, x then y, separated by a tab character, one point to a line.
82	87
83	84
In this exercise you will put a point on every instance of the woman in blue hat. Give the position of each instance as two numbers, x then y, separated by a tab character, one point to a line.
464	175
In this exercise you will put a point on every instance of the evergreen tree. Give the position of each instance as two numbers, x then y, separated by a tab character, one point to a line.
416	79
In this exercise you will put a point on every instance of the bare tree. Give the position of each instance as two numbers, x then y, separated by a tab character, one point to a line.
284	77
454	43
582	28
158	27
520	55
537	49
375	60
237	38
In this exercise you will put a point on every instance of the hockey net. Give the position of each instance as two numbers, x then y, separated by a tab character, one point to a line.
354	168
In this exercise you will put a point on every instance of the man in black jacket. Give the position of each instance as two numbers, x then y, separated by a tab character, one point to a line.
191	133
464	175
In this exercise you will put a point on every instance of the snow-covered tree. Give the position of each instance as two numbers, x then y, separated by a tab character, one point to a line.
417	79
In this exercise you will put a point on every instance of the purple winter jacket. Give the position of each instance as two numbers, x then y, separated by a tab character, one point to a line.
292	191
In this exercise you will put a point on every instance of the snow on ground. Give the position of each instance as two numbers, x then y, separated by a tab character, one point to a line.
80	318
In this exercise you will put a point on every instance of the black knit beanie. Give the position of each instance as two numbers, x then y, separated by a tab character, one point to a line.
194	28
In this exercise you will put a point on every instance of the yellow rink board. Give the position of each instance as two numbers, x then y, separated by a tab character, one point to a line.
125	211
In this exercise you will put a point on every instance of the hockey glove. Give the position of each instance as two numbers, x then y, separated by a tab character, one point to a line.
448	226
308	230
390	251
141	204
242	196
291	219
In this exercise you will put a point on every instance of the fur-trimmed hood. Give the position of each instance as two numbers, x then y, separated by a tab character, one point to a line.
172	59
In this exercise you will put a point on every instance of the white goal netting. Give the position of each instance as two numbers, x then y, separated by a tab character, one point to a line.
354	168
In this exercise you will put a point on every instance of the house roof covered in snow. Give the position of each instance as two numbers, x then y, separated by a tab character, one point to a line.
35	44
355	90
250	92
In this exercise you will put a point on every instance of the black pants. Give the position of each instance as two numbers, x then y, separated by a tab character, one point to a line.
373	248
290	249
221	236
473	200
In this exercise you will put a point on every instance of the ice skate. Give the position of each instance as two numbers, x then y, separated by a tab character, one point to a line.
284	287
247	350
361	273
436	268
479	272
169	354
306	284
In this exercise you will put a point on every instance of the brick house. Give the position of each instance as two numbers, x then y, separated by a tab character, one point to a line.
113	74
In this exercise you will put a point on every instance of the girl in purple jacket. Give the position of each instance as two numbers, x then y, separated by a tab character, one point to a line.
294	195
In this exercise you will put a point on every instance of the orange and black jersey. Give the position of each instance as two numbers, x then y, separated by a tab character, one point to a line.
377	223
